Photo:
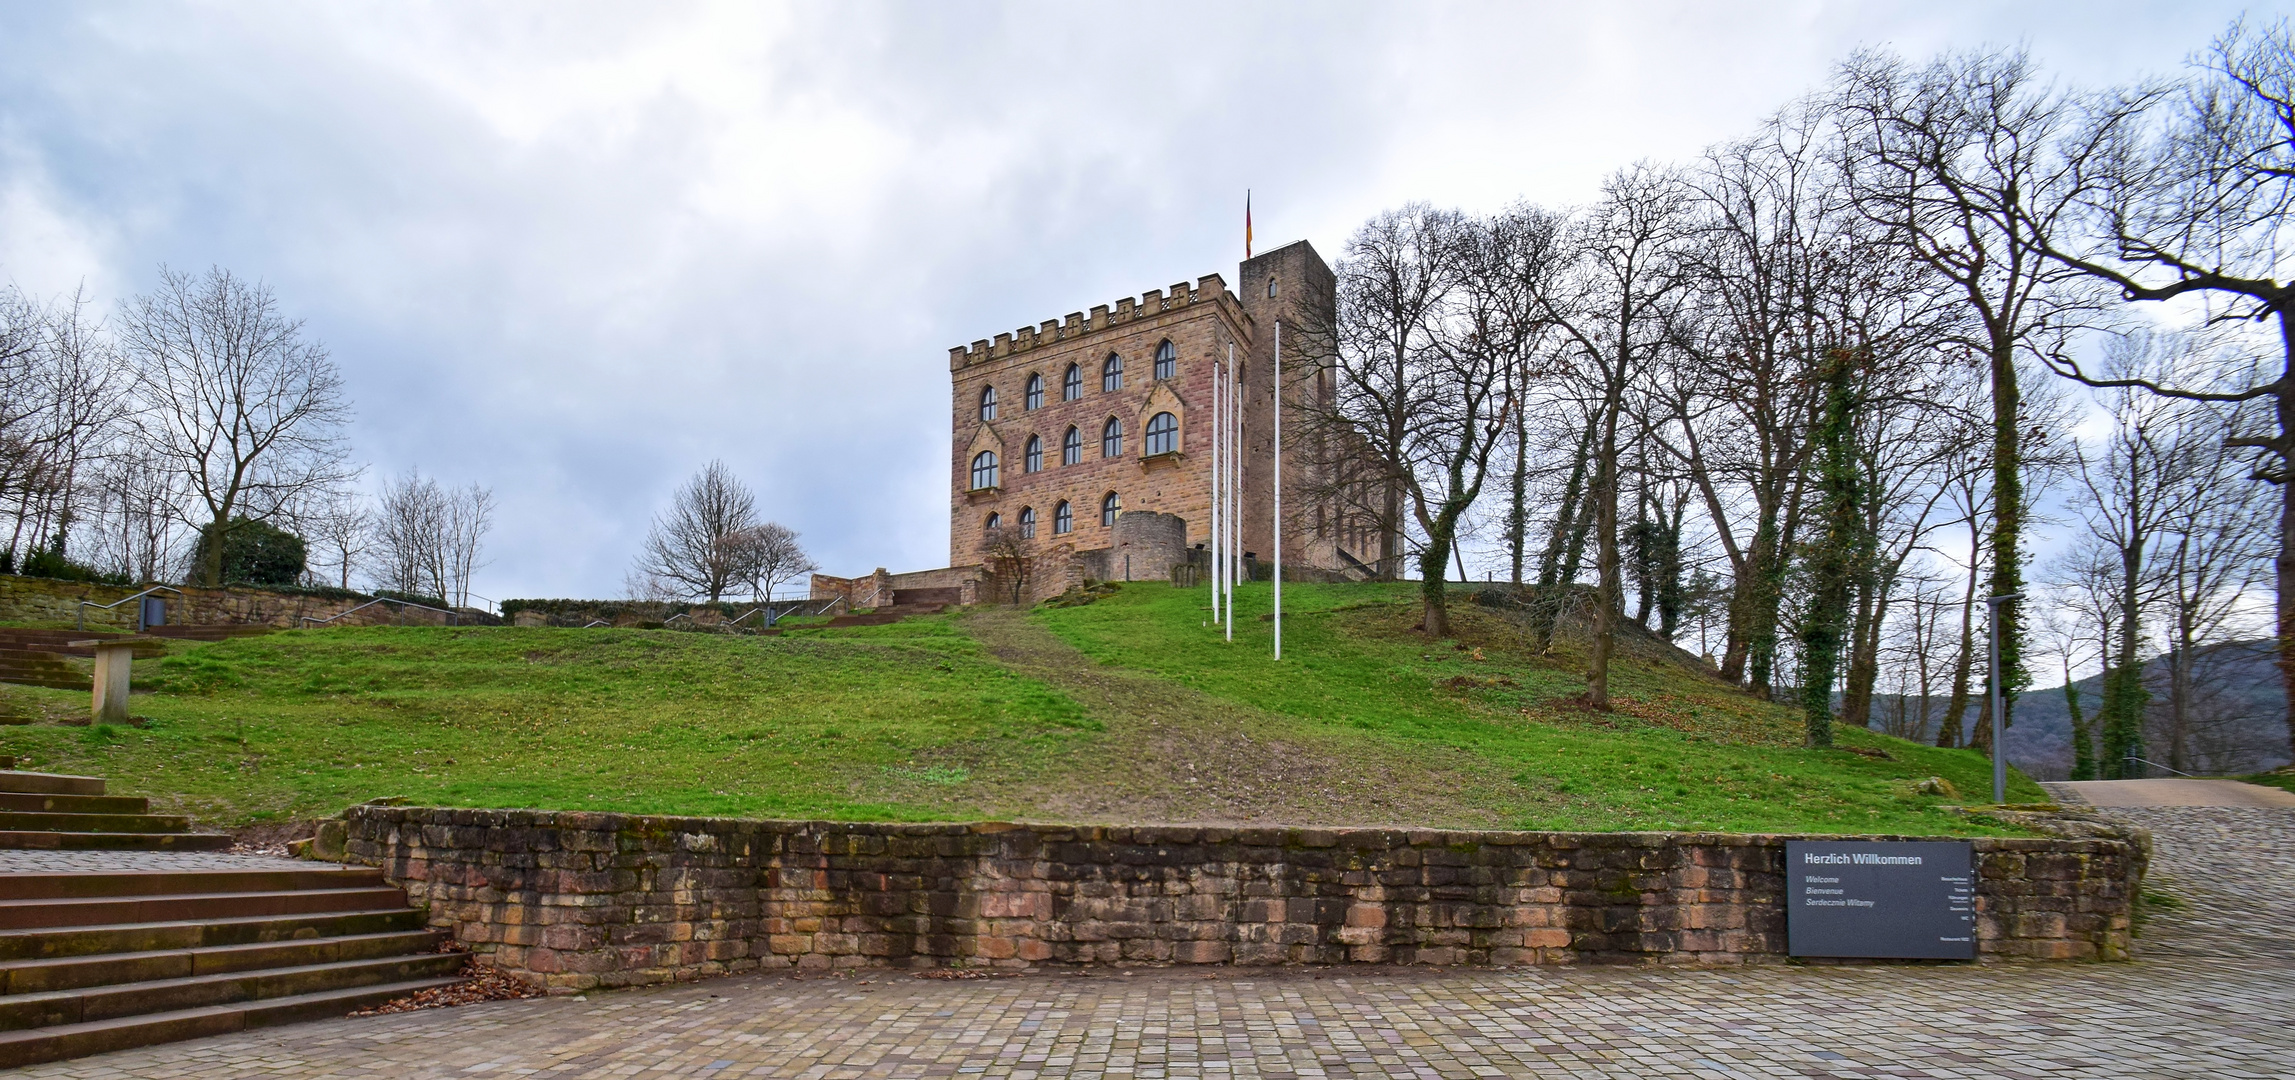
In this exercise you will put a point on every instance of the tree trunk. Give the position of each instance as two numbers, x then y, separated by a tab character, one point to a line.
1949	734
2007	526
1606	550
2283	566
2083	748
1518	496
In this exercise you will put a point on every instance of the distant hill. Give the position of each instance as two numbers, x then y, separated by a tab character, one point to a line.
2236	726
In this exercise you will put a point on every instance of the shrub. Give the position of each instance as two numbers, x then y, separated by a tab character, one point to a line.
255	552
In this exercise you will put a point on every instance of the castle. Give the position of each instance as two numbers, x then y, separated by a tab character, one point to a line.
1081	448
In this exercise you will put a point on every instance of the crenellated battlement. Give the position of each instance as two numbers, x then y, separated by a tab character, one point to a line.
1207	289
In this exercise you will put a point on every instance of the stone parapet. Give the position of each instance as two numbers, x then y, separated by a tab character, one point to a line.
577	900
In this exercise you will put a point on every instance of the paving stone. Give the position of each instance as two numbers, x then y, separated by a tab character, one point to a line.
2189	1006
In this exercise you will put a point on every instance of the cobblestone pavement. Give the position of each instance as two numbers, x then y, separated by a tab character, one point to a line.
2185	1010
20	861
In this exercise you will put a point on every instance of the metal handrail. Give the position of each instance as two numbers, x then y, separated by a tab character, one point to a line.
2157	765
454	615
595	622
80	621
686	615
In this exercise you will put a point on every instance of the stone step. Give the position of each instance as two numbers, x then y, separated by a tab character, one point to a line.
21	1011
97	911
68	822
61	884
62	1041
113	841
73	972
73	804
62	941
34	783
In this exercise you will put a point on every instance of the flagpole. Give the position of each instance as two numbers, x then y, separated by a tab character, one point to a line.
1234	553
1217	522
1278	489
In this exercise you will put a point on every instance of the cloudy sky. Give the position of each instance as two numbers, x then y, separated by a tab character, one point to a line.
573	252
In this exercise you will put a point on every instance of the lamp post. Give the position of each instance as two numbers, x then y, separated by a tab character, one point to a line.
1999	698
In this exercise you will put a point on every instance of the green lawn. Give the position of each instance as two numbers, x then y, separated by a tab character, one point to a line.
1683	750
919	721
303	723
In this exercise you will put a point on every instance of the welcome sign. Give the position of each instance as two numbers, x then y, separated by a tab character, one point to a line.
1908	899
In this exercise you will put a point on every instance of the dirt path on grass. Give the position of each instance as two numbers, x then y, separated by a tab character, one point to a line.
1172	754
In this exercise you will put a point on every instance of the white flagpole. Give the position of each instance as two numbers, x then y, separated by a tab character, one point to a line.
1217	437
1234	553
1278	489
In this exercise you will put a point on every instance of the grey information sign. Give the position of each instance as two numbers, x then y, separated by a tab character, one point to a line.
1909	899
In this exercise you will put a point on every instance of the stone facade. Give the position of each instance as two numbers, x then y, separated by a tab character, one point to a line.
1201	323
579	900
38	601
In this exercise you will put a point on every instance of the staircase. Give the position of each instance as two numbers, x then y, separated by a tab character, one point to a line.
906	602
47	812
36	657
154	946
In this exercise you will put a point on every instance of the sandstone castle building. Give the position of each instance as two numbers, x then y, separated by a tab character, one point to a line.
1080	448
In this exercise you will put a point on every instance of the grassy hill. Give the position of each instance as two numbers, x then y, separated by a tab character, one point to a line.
1127	709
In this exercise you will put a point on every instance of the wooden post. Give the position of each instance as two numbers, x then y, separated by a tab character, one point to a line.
113	655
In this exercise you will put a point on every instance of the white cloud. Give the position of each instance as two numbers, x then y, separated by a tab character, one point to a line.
575	251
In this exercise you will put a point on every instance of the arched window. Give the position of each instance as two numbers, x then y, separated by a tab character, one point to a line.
995	521
1166	361
1270	287
984	470
1035	397
1027	523
1072	384
1034	462
1112	438
1063	519
1112	373
1111	508
1072	447
1162	434
988	403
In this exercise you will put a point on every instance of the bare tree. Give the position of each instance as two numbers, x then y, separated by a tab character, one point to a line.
427	538
700	546
1613	307
773	557
1009	557
234	399
2194	206
1958	160
343	526
409	527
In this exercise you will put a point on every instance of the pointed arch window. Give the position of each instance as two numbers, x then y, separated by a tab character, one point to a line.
995	521
1027	523
1112	438
1072	447
1072	383
1034	398
1034	461
988	403
1063	519
1166	361
1162	436
1111	508
984	470
1112	374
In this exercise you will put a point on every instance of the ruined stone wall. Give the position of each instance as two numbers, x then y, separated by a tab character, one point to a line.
32	600
576	900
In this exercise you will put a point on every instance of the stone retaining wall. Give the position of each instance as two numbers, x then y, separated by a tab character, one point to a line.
48	600
576	900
